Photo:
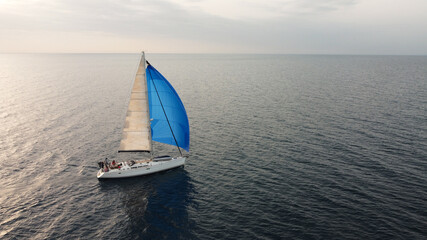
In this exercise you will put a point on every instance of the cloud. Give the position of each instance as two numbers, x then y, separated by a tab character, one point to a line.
230	26
261	10
77	14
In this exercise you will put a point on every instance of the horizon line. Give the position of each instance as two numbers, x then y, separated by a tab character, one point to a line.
222	53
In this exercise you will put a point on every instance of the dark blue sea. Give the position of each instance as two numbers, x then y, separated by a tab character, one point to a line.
282	147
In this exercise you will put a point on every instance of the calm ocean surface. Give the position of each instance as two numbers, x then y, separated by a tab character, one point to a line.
282	147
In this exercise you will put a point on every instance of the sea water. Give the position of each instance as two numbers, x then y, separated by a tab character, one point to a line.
282	147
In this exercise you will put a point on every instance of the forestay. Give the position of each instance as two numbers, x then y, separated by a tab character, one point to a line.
136	132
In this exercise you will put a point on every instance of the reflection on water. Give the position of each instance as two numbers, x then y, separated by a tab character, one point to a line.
150	201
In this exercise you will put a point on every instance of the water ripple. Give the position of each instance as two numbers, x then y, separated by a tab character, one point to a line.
282	147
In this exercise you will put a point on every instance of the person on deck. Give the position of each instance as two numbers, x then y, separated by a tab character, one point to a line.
106	165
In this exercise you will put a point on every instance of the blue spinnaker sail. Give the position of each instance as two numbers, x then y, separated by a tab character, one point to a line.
165	104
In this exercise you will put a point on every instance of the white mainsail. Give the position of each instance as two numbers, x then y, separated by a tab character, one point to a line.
137	132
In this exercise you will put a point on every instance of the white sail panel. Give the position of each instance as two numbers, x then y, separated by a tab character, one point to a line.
136	132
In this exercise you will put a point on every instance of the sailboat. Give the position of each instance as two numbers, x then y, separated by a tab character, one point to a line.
155	113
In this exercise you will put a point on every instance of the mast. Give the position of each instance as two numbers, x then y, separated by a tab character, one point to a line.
148	108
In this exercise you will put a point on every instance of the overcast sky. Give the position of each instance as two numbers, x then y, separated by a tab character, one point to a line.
215	26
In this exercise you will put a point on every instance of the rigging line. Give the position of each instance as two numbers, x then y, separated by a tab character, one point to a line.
167	119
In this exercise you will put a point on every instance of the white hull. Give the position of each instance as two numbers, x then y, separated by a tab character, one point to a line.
140	168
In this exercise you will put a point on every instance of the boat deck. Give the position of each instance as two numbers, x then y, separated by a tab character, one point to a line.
140	167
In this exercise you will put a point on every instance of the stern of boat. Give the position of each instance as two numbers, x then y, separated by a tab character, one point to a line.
100	173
